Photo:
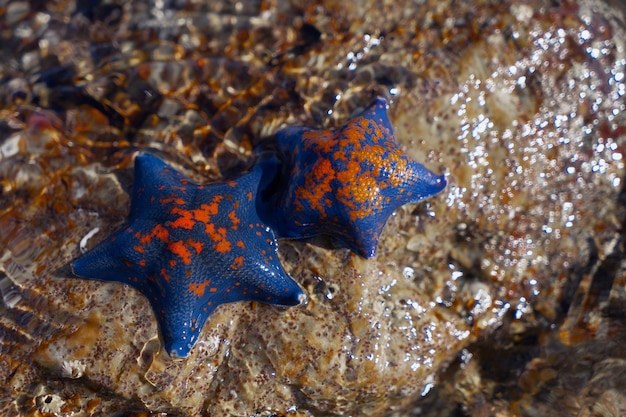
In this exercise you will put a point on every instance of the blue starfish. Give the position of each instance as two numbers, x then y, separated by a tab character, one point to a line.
189	248
346	182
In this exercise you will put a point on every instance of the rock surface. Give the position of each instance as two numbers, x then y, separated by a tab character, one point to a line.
501	296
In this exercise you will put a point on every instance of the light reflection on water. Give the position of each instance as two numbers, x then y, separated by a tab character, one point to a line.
540	159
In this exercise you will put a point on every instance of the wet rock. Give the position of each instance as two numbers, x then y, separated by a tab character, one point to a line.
506	273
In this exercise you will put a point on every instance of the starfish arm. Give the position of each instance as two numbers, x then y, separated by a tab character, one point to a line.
155	182
289	139
377	114
364	242
271	285
109	261
181	316
191	300
423	183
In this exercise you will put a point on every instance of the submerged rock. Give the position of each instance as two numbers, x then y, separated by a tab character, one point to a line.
508	272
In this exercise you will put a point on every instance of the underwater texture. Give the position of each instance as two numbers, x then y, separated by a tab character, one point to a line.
503	294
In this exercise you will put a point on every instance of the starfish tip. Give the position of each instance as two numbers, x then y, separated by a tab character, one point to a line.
178	349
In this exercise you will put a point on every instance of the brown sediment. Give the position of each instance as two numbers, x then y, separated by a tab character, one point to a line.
522	105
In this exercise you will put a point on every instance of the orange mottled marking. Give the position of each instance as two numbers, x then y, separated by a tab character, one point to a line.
172	263
185	219
165	275
161	233
198	289
142	262
175	200
340	155
237	263
196	245
204	213
139	249
352	171
157	231
322	141
317	185
178	248
223	246
402	174
364	191
361	191
249	195
233	218
241	245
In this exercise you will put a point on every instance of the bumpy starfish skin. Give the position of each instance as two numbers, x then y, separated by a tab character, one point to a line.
189	248
346	182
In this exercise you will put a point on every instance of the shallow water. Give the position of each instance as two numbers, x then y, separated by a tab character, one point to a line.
501	296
